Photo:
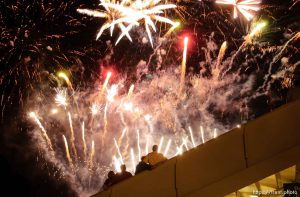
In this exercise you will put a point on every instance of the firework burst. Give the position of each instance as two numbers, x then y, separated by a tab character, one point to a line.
245	7
131	14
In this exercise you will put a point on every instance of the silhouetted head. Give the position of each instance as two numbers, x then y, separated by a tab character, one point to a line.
110	174
123	168
155	148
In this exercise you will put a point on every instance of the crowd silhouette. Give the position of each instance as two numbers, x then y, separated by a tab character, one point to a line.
148	162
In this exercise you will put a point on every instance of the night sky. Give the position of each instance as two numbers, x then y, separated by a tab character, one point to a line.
44	36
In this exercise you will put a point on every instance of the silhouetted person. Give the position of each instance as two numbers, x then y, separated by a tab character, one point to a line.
142	166
109	181
154	158
121	176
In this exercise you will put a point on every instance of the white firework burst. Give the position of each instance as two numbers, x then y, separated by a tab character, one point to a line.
245	7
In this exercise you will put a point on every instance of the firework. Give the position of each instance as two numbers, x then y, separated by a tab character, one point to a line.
35	118
132	158
119	152
119	112
132	14
112	92
167	147
255	31
61	97
221	54
184	143
66	79
192	137
245	7
117	164
105	84
83	141
54	111
215	133
183	65
130	91
91	164
138	143
160	144
202	134
95	108
111	15
176	25
179	150
72	134
67	151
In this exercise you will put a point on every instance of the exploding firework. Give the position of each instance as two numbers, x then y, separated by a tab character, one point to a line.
245	7
131	14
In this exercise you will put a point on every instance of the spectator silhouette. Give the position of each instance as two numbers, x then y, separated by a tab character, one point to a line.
109	181
154	158
121	176
142	166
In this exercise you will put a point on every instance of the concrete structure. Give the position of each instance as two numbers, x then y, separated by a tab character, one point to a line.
225	164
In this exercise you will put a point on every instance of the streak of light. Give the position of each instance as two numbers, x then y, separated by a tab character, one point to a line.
105	84
66	79
192	137
183	65
167	148
245	7
130	91
138	143
67	151
132	159
160	144
215	133
202	134
83	140
119	152
91	160
38	122
117	164
72	134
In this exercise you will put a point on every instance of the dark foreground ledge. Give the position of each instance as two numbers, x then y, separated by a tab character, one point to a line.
235	159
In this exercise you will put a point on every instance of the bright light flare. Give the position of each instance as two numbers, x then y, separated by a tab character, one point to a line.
160	144
167	148
256	31
132	159
61	97
105	83
92	155
112	92
202	134
95	109
215	133
66	78
245	7
132	13
130	91
117	164
128	106
221	54
54	111
83	139
183	64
